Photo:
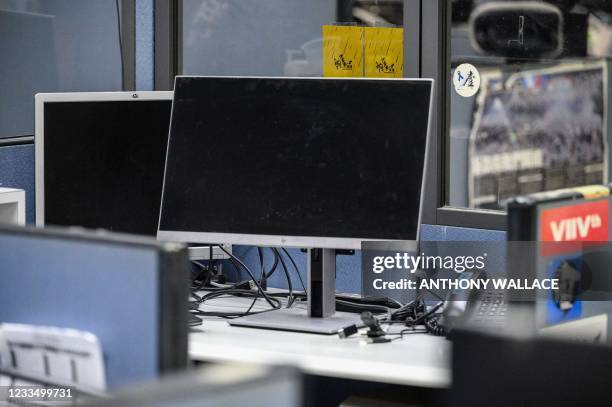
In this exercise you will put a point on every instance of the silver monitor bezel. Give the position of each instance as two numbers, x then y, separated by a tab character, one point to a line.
293	241
39	128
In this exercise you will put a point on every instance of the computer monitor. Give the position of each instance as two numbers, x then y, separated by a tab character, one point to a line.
130	292
100	159
300	162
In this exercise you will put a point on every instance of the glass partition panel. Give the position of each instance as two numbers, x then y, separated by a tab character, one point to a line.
529	98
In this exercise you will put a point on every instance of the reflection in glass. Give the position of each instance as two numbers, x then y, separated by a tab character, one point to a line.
539	121
54	46
254	37
270	37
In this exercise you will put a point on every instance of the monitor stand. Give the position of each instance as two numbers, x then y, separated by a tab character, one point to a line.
321	317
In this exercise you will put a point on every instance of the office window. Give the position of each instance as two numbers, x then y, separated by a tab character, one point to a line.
529	98
268	37
54	46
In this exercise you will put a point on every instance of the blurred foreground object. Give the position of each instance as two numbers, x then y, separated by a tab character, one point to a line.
218	385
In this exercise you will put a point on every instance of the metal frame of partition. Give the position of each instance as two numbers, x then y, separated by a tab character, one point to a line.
128	43
435	43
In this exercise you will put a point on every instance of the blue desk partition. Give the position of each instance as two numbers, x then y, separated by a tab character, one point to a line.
17	171
108	289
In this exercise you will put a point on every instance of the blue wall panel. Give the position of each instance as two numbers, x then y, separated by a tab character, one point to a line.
437	233
17	171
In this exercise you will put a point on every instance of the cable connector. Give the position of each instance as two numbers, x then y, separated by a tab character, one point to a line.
380	339
373	324
347	331
244	285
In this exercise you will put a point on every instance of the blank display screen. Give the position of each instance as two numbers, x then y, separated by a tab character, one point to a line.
296	157
104	163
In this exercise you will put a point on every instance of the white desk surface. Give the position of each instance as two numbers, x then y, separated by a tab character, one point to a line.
418	359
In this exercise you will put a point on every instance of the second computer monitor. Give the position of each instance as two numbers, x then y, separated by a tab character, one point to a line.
100	159
306	162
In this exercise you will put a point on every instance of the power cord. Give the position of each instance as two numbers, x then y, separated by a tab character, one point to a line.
289	284
295	267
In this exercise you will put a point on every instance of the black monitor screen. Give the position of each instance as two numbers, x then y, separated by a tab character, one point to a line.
104	163
296	157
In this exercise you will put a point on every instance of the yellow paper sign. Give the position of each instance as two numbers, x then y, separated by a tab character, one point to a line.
342	51
384	52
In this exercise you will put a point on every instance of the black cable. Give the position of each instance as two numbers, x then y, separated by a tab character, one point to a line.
233	292
289	284
411	314
194	321
227	315
276	304
429	313
261	291
262	277
410	310
237	293
434	328
194	281
411	331
203	269
262	267
268	273
363	307
198	273
274	266
297	271
211	263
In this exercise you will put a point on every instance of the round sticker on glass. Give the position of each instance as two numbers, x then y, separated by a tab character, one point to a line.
466	80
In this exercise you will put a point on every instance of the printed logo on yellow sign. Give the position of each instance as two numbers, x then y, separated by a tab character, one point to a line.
384	52
342	51
383	67
342	64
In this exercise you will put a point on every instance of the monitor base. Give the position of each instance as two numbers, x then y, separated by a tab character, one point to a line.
297	320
